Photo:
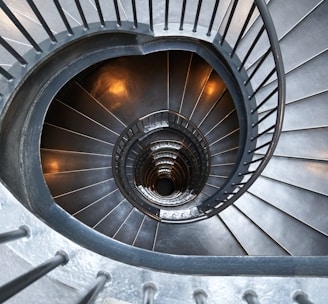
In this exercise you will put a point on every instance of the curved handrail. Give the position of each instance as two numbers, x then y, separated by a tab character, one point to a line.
250	175
199	26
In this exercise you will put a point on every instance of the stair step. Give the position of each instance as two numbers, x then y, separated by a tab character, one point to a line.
300	203
307	174
295	236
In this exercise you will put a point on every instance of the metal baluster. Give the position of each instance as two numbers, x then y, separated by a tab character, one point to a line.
15	286
258	65
262	83
149	292
183	12
84	20
151	21
259	34
12	51
260	147
9	236
251	11
274	91
6	74
102	278
251	297
301	298
41	19
199	6
62	15
229	21
117	12
101	17
135	18
167	6
22	29
265	116
213	17
200	297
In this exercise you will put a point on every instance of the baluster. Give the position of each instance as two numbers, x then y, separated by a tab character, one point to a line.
274	91
84	20
251	297
258	36
117	12
183	12
216	5
149	292
6	74
262	83
62	15
100	14
167	6
200	297
102	278
251	11
41	19
134	10
199	6
301	298
258	65
21	28
229	21
151	21
12	51
9	236
15	286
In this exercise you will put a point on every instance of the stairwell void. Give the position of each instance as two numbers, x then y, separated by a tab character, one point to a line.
136	141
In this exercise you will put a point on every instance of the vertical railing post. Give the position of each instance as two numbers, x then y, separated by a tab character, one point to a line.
100	13
97	286
9	236
149	292
301	298
19	25
6	74
213	17
42	20
13	52
200	296
63	17
135	17
166	18
199	6
234	6
15	286
251	297
151	21
117	12
82	15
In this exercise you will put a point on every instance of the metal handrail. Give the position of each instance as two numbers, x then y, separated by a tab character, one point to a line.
249	169
250	165
276	52
235	189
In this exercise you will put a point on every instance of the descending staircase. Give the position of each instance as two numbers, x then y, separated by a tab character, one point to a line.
138	132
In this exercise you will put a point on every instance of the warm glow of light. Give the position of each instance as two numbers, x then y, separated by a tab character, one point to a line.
117	88
111	80
52	166
214	87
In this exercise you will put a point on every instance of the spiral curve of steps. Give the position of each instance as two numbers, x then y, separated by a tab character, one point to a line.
282	214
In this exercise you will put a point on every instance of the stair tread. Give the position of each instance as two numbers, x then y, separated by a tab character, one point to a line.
305	205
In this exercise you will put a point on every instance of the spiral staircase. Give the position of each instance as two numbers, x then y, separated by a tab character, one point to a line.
163	151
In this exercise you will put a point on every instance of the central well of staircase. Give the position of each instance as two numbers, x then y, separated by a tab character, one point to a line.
158	132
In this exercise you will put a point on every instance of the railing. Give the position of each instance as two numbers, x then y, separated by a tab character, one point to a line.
16	285
149	289
246	58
